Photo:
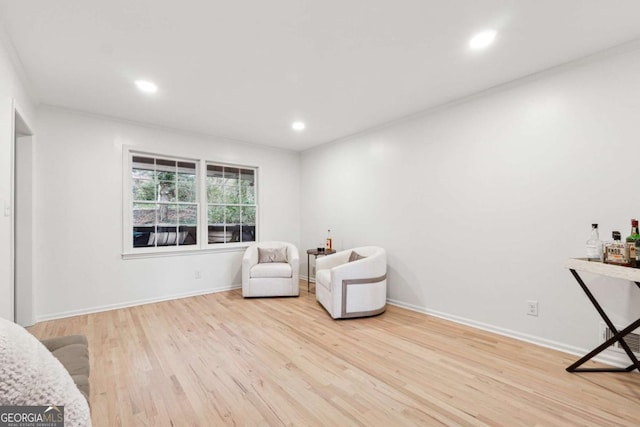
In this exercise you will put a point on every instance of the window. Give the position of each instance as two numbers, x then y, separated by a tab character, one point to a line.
231	204
177	204
165	202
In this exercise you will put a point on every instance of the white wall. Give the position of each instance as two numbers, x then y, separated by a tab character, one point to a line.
78	214
12	92
479	204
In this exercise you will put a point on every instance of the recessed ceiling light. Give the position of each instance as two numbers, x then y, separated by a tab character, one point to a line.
298	126
146	86
483	39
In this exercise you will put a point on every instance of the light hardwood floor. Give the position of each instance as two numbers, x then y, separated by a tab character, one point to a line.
220	359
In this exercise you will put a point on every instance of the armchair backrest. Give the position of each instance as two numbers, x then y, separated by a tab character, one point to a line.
375	258
374	261
369	251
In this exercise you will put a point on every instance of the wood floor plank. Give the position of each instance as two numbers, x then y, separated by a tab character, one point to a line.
220	359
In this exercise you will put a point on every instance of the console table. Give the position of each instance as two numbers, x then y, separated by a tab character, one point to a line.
316	253
618	272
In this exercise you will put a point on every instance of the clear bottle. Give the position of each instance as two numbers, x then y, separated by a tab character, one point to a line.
594	245
616	251
329	243
631	242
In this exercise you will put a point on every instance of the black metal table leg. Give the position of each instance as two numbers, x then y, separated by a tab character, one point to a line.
618	336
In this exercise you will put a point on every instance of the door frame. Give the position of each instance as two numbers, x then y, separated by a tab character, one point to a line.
22	132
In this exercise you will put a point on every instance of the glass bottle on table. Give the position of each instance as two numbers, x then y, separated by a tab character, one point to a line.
616	252
594	245
329	242
631	242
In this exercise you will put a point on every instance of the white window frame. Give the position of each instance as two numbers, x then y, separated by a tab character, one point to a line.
202	245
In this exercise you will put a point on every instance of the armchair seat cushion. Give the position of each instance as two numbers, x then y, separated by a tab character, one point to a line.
274	269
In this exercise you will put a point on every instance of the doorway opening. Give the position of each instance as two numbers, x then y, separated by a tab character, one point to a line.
23	151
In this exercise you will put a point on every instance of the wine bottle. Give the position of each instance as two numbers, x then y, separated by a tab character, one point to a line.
594	245
631	242
329	243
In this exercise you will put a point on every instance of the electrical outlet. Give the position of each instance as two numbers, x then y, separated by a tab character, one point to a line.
532	308
198	274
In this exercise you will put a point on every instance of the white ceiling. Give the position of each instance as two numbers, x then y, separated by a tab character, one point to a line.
246	69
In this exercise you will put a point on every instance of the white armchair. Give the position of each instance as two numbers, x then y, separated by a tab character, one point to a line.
275	277
353	289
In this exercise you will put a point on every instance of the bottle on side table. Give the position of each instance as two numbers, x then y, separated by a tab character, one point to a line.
329	242
631	243
616	252
594	245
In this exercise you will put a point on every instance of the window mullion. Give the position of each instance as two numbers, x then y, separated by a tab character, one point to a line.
156	182
177	205
203	201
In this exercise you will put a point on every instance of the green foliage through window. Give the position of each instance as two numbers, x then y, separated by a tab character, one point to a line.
166	202
165	208
231	200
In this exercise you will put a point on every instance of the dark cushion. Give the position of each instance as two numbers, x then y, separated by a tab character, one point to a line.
82	382
53	344
355	256
75	358
73	352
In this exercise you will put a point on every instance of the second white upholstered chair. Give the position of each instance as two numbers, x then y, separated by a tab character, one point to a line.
353	283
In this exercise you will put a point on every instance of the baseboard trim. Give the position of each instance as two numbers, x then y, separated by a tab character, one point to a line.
98	309
609	357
